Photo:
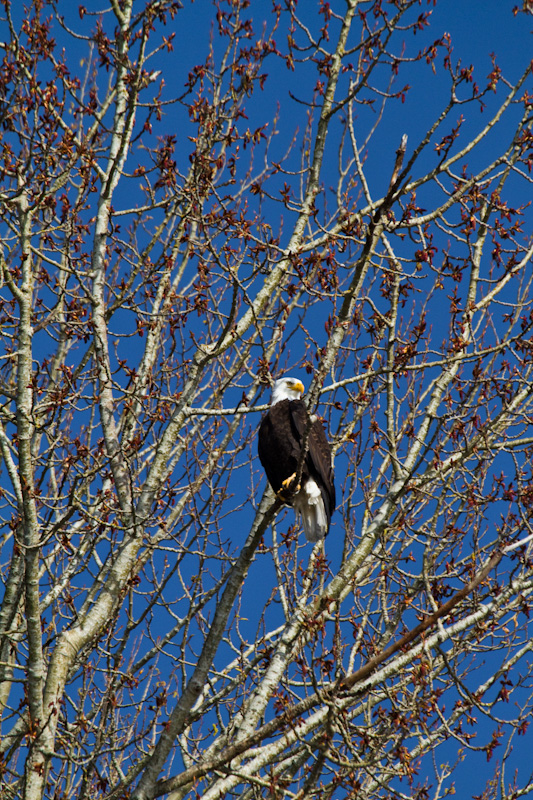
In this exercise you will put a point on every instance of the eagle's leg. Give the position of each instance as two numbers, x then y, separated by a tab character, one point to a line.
288	488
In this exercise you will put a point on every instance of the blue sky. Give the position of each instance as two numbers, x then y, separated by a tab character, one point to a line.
477	29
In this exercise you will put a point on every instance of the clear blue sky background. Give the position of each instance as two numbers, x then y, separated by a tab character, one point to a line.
478	28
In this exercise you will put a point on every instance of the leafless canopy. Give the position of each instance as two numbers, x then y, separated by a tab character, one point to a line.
194	199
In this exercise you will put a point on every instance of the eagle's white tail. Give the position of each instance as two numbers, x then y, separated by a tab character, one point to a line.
309	507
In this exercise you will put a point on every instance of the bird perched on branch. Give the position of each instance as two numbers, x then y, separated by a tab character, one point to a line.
296	457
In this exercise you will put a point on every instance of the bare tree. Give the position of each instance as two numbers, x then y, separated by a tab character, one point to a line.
175	235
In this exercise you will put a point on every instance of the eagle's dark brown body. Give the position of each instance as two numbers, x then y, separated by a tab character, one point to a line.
280	440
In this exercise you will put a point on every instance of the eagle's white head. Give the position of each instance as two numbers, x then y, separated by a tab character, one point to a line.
287	389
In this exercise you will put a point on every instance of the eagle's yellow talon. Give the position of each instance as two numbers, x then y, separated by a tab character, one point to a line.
287	486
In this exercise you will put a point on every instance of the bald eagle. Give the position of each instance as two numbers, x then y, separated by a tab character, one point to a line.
282	434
